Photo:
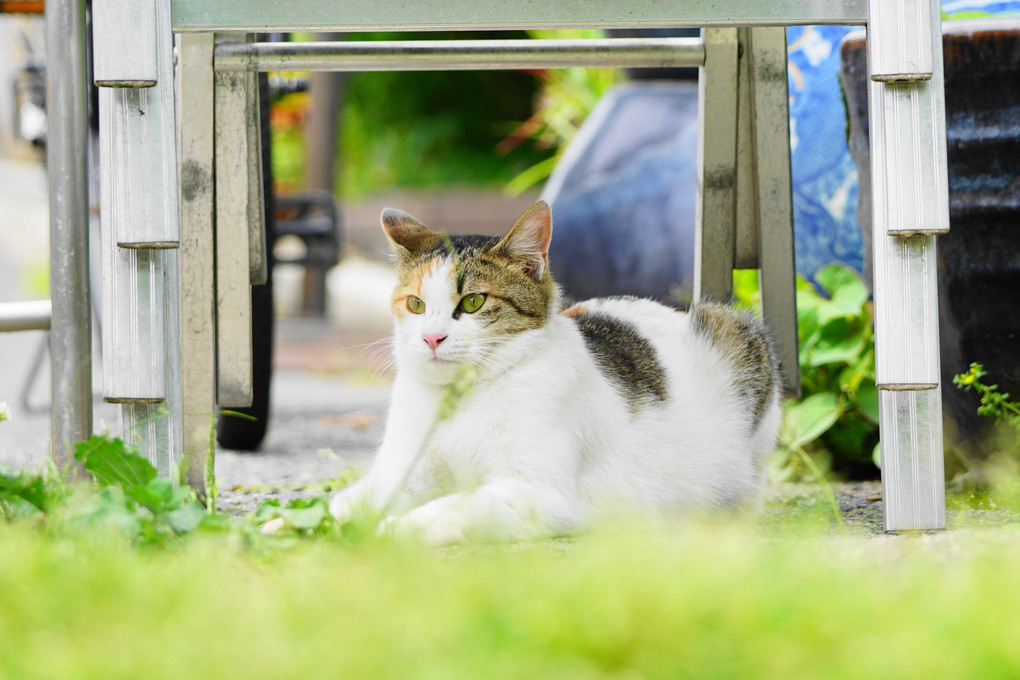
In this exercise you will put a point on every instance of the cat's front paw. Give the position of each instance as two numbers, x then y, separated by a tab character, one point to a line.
350	503
432	531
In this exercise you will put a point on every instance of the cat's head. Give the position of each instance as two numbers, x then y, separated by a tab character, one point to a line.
467	298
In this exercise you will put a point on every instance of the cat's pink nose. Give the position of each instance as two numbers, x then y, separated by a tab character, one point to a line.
433	339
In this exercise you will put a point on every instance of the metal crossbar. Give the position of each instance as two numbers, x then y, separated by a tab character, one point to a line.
450	55
423	15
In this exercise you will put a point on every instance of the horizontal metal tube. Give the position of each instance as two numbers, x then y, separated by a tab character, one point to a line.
269	16
25	316
460	55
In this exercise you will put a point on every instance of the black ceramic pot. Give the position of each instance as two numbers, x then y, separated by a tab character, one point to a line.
979	260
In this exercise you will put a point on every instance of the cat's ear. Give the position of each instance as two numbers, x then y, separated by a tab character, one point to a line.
406	234
529	239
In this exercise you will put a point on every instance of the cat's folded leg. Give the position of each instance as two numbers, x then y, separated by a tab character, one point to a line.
394	485
375	496
500	511
352	502
384	487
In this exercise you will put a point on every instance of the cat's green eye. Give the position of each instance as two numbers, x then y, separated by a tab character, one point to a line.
472	303
415	305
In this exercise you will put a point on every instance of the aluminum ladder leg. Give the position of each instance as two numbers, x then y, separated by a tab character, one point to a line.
140	223
909	181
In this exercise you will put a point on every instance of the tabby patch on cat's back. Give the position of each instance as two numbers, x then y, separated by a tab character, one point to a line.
627	357
610	407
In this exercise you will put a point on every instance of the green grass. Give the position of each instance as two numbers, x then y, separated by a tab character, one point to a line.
701	601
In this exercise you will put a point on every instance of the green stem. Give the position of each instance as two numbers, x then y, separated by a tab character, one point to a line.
210	469
826	487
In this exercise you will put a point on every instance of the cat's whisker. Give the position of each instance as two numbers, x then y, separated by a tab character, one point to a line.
377	353
380	373
361	346
377	359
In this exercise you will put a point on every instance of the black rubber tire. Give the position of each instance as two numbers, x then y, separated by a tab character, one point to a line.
233	432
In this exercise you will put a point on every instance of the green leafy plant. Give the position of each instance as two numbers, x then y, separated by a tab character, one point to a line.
130	497
835	421
23	494
151	509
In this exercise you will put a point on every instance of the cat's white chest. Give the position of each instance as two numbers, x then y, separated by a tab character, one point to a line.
520	422
472	444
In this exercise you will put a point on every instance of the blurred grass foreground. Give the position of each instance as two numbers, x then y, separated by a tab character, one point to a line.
702	601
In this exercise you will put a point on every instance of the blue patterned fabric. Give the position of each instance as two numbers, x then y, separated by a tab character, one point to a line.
823	172
992	7
824	175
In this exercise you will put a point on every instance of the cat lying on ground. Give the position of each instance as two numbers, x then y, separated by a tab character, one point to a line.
565	415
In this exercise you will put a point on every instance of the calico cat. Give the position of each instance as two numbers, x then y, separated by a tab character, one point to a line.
608	406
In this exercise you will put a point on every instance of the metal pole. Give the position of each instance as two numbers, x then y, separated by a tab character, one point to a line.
323	130
67	163
453	55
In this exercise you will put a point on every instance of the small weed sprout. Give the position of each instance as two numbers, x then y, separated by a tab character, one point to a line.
994	404
993	482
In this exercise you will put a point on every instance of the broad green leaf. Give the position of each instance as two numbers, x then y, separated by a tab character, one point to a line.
809	419
29	488
838	343
299	513
834	278
808	299
847	293
778	468
187	517
267	510
114	463
157	495
308	517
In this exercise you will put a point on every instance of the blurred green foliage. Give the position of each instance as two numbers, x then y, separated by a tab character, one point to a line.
566	98
706	601
422	129
419	129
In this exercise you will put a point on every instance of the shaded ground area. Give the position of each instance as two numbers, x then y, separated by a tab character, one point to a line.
860	505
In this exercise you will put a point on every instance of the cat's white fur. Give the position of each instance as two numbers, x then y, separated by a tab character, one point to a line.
544	443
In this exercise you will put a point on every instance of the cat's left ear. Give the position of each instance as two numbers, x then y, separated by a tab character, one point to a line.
406	234
529	240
